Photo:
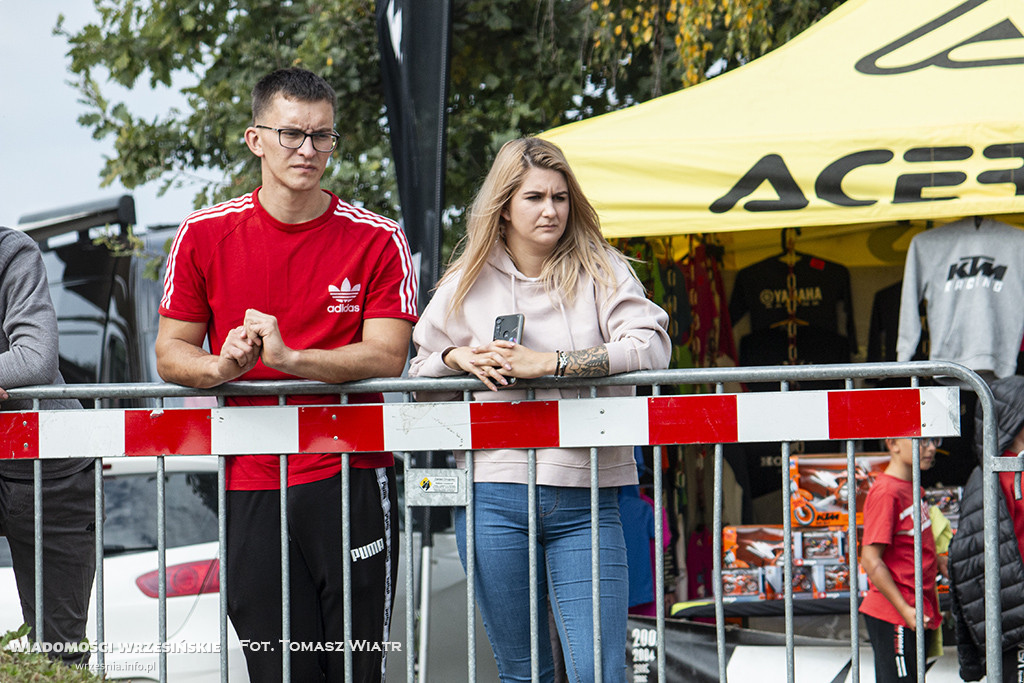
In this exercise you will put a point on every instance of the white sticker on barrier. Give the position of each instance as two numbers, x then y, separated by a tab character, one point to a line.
940	411
603	422
784	416
271	430
436	426
81	433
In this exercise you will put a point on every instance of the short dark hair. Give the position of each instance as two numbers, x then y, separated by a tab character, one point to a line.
294	83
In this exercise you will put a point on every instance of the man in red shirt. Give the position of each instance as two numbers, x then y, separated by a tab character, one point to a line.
288	282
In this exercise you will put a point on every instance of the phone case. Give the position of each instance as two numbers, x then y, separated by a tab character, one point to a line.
509	327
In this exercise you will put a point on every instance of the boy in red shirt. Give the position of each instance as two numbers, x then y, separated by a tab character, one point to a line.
887	555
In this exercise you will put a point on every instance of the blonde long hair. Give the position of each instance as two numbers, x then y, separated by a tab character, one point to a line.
582	248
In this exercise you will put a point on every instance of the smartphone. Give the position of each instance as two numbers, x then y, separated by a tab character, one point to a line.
509	328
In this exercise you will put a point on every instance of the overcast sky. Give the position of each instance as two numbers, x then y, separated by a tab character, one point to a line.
47	160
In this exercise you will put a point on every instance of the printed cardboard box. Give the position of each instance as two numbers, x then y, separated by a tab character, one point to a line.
743	584
804	586
754	546
820	491
833	580
816	546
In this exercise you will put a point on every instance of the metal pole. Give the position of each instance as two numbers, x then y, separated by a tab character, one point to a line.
531	503
346	549
470	565
787	553
410	602
425	573
222	545
161	552
37	537
286	593
595	556
851	559
991	498
98	523
915	496
659	554
716	558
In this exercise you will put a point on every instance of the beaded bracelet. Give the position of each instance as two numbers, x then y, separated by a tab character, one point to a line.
563	362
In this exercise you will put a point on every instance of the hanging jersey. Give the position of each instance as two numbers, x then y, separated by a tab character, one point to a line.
972	280
821	288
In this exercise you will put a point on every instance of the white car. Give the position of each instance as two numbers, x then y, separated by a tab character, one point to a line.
130	576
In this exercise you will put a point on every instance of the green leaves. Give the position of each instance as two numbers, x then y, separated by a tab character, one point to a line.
518	67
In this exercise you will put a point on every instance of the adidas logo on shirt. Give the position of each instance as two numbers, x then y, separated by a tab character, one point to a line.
344	295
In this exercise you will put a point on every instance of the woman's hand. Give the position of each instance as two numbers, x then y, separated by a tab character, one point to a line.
524	362
495	361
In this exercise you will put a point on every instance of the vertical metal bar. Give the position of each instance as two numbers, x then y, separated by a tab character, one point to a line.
595	556
659	553
161	553
425	573
346	553
37	536
98	524
222	544
851	557
787	552
918	570
531	526
410	595
716	557
346	559
470	563
991	498
286	593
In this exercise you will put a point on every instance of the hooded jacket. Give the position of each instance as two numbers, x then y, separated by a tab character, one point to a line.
630	326
28	343
967	550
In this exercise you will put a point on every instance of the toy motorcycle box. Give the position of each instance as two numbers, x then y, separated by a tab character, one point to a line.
820	491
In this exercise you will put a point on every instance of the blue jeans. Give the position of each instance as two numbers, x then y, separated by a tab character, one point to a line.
563	571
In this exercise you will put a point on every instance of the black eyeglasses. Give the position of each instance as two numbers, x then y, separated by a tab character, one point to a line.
291	138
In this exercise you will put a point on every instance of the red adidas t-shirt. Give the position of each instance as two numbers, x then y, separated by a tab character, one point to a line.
321	279
888	519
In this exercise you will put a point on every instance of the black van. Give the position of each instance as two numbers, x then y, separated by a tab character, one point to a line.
106	303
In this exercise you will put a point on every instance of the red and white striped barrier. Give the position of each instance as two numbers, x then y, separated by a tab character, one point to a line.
628	421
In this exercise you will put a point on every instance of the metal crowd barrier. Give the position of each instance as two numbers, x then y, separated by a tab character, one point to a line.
710	418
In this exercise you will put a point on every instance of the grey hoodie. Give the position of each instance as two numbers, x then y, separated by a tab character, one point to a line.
632	327
28	341
973	281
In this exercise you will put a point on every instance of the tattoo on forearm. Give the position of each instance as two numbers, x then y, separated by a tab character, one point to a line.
592	362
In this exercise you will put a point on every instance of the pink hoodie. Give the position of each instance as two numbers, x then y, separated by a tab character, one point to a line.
632	327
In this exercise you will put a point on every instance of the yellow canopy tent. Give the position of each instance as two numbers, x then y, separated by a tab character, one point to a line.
882	115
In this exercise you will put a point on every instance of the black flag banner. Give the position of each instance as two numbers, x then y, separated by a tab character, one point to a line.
413	40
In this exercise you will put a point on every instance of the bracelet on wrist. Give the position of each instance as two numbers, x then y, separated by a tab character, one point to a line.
563	362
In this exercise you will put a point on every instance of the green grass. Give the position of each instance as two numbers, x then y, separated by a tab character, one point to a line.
30	667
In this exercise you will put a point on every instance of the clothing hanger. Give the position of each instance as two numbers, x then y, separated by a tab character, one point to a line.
789	255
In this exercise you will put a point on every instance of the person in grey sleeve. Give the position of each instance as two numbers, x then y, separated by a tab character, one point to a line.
28	356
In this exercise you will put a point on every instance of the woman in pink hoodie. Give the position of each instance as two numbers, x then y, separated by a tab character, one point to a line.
533	246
